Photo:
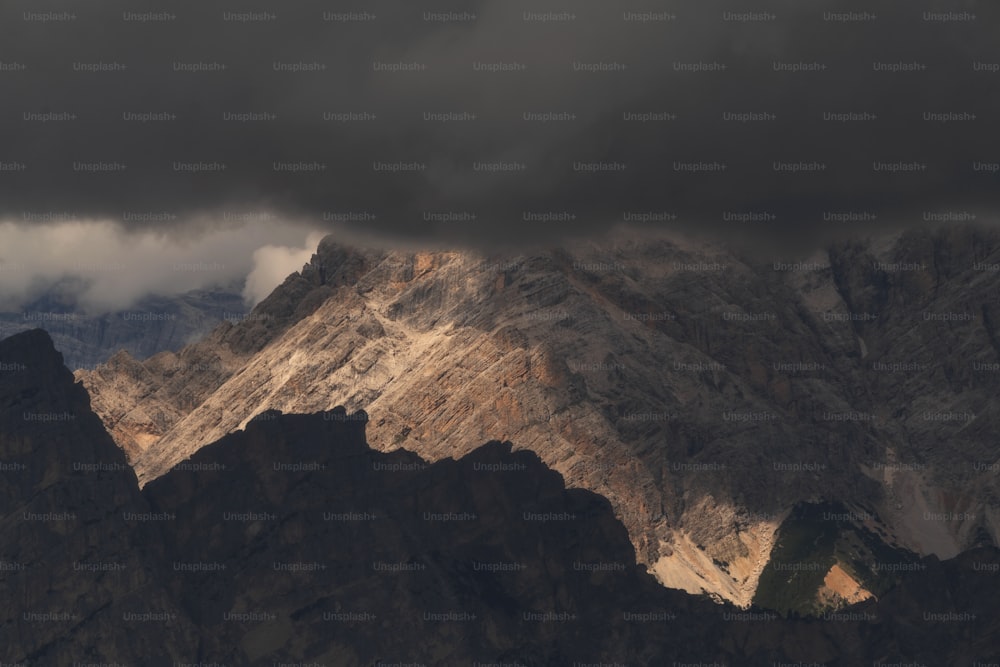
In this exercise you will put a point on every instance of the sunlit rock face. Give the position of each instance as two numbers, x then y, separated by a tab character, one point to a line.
703	391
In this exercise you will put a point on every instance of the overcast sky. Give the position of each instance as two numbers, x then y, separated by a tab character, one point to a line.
585	113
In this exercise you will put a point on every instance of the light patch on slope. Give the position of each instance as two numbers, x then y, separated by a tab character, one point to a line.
927	536
909	508
690	569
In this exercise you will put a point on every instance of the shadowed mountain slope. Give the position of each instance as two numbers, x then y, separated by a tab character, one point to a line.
292	540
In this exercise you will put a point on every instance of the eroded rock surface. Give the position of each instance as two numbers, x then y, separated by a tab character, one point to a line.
702	392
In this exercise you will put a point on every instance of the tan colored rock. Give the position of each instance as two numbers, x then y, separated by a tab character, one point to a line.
841	589
618	365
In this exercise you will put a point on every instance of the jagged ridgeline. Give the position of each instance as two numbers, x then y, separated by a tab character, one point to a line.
294	541
704	392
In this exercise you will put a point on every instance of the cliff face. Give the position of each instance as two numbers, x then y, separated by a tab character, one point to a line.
74	564
88	341
292	540
703	393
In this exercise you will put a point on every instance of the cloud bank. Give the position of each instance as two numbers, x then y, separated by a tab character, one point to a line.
97	267
272	264
504	121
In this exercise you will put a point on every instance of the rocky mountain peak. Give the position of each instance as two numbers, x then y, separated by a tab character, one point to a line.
34	346
68	555
703	391
39	398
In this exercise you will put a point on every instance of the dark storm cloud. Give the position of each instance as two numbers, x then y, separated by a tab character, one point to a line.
67	129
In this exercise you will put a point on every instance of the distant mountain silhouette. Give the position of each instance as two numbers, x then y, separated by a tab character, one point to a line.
154	324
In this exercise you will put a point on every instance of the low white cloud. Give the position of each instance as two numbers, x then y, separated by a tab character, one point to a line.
102	267
272	264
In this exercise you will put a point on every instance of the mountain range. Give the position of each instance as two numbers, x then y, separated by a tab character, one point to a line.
707	393
154	324
293	542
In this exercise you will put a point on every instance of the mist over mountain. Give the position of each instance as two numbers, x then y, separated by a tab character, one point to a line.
292	540
93	267
152	325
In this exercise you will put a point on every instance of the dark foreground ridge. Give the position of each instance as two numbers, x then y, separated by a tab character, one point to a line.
294	542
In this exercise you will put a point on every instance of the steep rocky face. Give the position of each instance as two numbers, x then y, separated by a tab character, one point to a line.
293	541
75	563
153	325
932	371
703	393
140	401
